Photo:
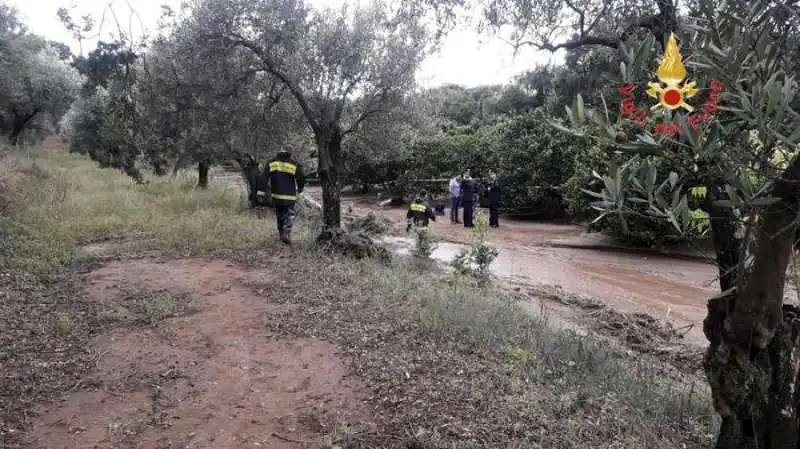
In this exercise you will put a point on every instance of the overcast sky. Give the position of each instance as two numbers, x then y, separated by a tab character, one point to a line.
466	57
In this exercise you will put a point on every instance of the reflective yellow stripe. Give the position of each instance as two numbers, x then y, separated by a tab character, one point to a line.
418	207
284	167
284	197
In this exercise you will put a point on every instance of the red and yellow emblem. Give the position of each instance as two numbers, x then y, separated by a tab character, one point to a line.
671	72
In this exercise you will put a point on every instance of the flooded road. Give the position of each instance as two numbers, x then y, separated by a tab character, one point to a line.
663	287
676	290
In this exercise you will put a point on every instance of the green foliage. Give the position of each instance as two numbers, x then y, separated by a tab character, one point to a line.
532	160
98	125
425	243
476	260
36	84
660	177
104	63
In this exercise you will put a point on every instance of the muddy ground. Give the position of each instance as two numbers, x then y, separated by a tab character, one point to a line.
187	361
530	255
206	354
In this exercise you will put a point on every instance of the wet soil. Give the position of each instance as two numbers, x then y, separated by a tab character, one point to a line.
670	288
209	375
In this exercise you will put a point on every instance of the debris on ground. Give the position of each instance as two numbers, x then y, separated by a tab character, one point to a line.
557	294
369	224
307	206
358	245
639	332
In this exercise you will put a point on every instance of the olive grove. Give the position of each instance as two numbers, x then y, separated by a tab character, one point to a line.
343	68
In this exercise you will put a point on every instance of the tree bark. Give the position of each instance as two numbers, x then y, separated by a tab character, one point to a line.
753	359
723	235
19	124
329	144
203	167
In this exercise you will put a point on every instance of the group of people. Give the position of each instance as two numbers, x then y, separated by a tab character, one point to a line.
463	195
286	181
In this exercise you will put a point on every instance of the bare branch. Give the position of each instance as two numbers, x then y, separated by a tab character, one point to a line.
271	67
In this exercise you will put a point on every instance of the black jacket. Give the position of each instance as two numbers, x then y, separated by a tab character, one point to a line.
468	191
494	193
286	179
420	213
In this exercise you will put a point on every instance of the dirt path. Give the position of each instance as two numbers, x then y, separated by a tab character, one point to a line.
188	363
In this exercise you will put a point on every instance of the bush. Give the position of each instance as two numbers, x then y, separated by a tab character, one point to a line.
641	230
425	243
476	260
98	125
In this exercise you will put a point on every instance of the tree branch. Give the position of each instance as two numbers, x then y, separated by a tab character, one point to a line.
272	68
660	24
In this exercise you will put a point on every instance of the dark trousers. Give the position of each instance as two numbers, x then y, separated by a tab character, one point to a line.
285	215
494	215
454	203
469	209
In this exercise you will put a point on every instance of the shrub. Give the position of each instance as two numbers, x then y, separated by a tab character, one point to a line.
476	260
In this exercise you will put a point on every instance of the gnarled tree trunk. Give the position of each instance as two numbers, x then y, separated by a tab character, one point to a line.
329	144
203	167
753	359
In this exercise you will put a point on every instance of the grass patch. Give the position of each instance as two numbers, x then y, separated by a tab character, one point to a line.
455	365
64	200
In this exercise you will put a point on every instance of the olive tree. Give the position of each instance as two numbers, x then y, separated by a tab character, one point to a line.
343	67
741	168
36	85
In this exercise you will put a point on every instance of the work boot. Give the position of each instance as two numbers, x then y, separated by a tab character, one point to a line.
286	237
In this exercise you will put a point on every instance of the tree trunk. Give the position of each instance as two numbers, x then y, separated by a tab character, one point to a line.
19	124
753	359
723	235
329	144
203	167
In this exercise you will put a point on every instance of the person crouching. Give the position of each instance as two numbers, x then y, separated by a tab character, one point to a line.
419	214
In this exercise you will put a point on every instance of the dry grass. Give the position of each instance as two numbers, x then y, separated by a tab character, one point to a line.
69	201
449	364
457	366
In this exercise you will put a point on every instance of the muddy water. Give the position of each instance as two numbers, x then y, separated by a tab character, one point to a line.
676	290
669	288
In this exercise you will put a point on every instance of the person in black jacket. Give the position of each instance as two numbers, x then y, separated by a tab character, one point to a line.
494	201
286	179
468	195
419	214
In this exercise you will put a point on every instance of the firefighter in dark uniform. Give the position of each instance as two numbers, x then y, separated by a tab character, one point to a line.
419	214
286	181
494	201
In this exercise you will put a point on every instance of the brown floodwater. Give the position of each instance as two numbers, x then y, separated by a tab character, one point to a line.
675	289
